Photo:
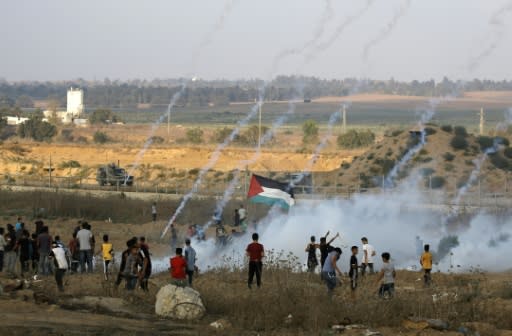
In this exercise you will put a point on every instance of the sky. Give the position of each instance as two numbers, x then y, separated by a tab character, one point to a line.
243	39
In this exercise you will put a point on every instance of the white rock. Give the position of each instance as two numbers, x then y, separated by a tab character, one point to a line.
182	303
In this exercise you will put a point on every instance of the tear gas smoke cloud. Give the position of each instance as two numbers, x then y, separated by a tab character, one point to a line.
384	33
321	46
391	221
495	37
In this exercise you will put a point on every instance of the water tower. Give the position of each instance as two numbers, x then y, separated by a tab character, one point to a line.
75	103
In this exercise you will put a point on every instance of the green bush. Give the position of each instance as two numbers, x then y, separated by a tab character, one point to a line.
430	131
70	164
310	130
156	140
37	129
100	137
485	142
355	139
459	142
427	171
345	165
195	135
435	182
449	167
508	152
447	128
500	162
448	156
460	131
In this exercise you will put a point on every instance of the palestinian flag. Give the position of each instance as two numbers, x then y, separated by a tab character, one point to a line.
265	190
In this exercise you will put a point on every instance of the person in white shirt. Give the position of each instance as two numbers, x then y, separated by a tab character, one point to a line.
58	254
243	217
84	237
368	254
153	211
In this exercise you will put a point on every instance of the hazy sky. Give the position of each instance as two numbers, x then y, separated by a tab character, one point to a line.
125	39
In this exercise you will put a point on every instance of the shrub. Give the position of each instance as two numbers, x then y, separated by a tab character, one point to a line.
500	162
67	134
195	135
355	139
427	171
396	133
345	165
70	164
448	156
430	131
485	142
447	128
459	142
370	156
508	152
502	141
100	137
221	134
435	182
310	130
37	129
81	139
385	165
423	151
449	167
460	131
156	140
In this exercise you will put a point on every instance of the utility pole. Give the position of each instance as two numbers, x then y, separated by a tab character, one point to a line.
482	121
50	173
168	124
259	126
344	119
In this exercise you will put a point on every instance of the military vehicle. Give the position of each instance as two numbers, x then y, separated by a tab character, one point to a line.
114	175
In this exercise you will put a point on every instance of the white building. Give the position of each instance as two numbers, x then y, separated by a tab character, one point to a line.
75	104
15	120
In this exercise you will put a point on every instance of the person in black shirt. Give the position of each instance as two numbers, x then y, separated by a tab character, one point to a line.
311	250
353	273
325	247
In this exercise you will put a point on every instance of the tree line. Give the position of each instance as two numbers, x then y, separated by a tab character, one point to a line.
129	94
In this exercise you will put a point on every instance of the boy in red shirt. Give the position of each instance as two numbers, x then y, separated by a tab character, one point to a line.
178	269
255	252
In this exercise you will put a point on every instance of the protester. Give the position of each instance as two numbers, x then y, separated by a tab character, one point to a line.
19	225
190	258
426	264
330	269
10	252
220	234
23	248
124	257
237	218
3	244
387	275
145	267
354	268
58	255
34	256
44	245
153	212
325	247
178	269
84	237
106	252
255	251
131	271
75	253
311	250
368	254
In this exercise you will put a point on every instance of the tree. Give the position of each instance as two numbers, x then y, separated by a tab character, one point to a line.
24	101
195	135
355	139
310	130
37	129
102	116
250	136
100	137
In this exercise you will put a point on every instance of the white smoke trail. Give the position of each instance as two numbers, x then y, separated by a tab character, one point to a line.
219	24
321	46
324	19
321	145
495	38
221	204
211	162
426	116
154	128
387	29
